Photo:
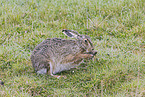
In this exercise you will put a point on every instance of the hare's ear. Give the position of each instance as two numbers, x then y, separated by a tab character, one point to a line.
70	33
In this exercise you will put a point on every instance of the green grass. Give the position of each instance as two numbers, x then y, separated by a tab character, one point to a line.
117	29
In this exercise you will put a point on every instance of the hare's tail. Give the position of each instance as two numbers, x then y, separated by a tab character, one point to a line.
32	60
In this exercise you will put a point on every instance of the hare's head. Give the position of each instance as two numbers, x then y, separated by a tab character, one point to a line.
84	41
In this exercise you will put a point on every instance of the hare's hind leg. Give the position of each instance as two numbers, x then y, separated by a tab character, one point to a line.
41	68
39	63
42	71
52	69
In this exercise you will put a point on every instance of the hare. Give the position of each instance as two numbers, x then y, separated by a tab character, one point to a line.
56	54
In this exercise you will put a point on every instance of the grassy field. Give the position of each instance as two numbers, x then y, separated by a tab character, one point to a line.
116	27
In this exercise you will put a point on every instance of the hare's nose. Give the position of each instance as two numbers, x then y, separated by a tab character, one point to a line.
95	53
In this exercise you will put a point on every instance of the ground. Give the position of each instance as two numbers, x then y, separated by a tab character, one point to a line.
117	30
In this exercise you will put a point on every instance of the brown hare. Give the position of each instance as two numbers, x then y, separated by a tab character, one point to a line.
56	54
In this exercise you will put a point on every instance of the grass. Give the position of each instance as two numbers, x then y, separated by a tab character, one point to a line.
117	29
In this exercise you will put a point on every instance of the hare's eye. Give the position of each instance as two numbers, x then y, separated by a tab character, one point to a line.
86	40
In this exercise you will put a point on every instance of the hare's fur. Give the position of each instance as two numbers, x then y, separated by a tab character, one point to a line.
56	55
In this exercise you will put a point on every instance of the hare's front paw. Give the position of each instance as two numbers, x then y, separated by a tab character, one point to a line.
85	56
90	56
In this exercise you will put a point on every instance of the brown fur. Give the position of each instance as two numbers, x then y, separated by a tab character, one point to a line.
57	54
